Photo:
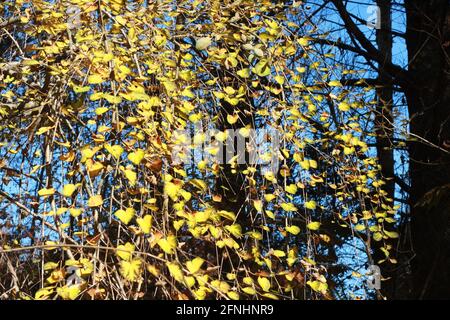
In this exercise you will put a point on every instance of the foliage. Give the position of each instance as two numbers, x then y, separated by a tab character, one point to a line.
94	106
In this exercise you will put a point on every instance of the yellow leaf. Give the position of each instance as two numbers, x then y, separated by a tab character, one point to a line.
288	207
293	229
343	106
249	290
279	253
168	245
189	281
43	294
124	251
270	296
75	212
235	230
43	130
69	293
313	225
49	243
175	271
131	176
101	110
258	205
200	184
221	136
46	192
232	118
310	205
131	270
313	164
262	68
95	96
50	265
270	176
200	294
132	34
264	283
270	214
145	223
172	189
95	79
233	295
203	43
95	201
248	281
125	215
137	156
292	189
279	80
244	73
79	89
227	214
221	286
194	265
335	83
318	286
30	62
94	168
245	132
68	190
303	41
115	150
377	236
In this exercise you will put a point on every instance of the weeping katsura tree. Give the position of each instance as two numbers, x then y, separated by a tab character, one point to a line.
182	150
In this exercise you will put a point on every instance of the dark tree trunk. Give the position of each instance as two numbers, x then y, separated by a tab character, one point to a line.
384	127
384	121
427	40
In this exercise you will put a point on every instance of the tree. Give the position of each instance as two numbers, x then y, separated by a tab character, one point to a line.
424	82
113	124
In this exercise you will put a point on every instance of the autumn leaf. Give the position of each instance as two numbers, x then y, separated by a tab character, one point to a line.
202	43
137	156
131	270
293	229
311	205
125	215
313	225
194	265
175	271
43	130
168	245
115	150
95	201
95	79
125	251
46	192
258	205
145	223
68	190
69	292
264	283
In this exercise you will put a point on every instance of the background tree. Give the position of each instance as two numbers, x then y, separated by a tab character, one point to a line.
95	113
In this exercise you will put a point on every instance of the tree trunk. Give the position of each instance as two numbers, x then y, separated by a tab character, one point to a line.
384	121
427	40
384	126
